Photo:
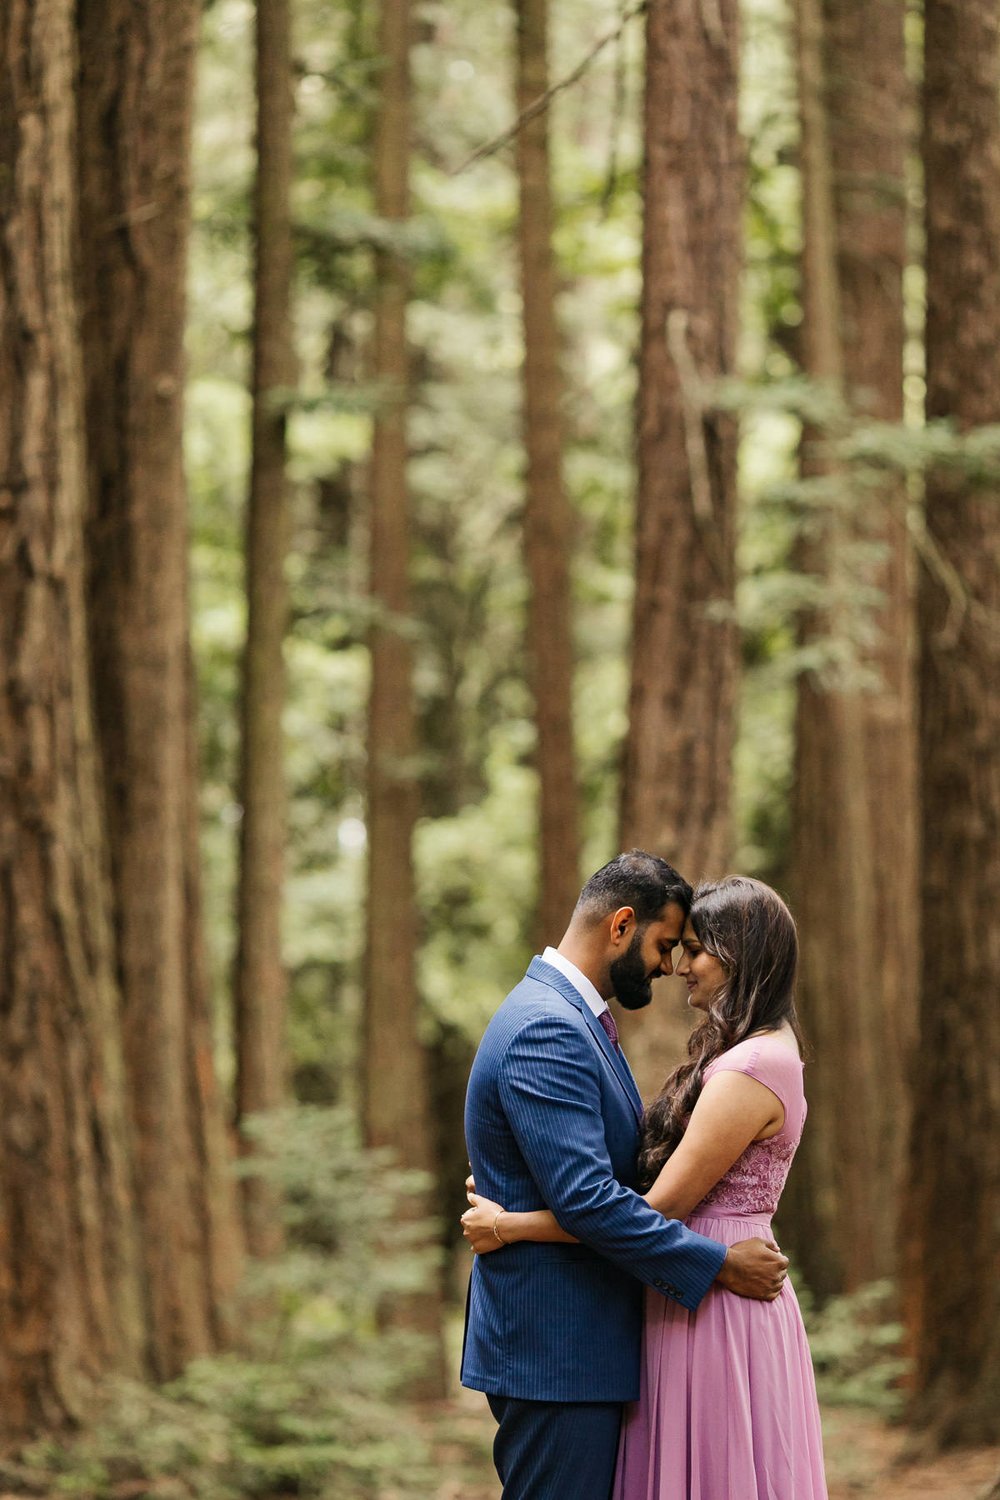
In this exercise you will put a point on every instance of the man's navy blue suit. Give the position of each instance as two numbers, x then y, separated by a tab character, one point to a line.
553	1330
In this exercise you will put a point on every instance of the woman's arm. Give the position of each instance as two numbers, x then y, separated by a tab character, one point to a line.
733	1109
487	1226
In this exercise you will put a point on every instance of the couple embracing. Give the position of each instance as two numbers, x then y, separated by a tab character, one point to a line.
629	1315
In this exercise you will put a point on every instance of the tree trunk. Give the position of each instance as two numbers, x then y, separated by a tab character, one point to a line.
136	79
396	1075
70	1299
260	981
953	1301
685	648
870	110
854	802
548	518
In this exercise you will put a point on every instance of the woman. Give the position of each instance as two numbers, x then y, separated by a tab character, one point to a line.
727	1409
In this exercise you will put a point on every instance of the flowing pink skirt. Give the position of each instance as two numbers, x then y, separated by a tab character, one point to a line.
727	1409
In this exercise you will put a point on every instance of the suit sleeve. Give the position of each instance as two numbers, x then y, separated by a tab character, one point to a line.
550	1092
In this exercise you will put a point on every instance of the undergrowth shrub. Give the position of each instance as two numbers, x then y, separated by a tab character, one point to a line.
313	1402
856	1344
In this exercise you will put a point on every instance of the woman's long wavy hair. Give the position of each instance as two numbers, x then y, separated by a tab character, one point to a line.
749	929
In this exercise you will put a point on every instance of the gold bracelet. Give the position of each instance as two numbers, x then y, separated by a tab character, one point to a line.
496	1232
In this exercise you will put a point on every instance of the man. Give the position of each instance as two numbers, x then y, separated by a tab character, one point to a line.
552	1120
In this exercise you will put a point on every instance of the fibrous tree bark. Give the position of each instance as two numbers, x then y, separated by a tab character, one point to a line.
870	112
135	92
854	811
548	517
396	1082
685	647
260	982
70	1300
953	1300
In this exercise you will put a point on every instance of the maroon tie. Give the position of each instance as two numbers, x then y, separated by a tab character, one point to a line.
607	1020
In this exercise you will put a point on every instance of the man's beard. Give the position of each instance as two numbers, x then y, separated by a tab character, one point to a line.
633	987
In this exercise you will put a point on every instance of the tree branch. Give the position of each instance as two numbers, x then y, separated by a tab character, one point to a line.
961	602
539	105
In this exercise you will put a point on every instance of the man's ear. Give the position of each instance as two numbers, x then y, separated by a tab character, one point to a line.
621	926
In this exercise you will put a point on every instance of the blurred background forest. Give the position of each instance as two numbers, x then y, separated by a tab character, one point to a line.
443	445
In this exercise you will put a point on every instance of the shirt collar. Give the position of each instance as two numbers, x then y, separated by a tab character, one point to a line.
577	979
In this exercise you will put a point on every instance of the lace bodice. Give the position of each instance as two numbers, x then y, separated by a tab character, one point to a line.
754	1182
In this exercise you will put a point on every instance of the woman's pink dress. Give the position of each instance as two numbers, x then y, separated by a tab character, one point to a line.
728	1409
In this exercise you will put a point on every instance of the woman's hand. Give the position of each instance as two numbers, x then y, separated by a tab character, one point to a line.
478	1222
487	1226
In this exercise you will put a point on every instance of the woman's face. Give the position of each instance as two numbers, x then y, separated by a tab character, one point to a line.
701	971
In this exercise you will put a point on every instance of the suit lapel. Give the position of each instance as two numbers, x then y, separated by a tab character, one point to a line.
633	1086
539	969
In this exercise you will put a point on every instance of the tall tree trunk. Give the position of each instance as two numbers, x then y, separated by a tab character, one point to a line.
396	1079
870	112
685	645
548	518
953	1292
854	801
260	982
70	1299
136	80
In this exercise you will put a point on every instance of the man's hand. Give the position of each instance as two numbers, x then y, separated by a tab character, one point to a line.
754	1268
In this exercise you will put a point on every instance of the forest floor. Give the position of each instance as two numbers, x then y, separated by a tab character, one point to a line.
865	1459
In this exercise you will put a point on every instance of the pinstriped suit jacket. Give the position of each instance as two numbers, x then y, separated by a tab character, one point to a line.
552	1119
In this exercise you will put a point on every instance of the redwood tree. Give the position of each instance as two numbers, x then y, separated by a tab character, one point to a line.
854	812
548	517
953	1296
685	648
870	111
260	983
395	1084
70	1302
135	92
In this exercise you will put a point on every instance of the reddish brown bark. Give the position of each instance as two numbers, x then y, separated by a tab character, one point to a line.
70	1304
260	981
548	517
870	110
396	1085
678	753
136	81
953	1300
854	803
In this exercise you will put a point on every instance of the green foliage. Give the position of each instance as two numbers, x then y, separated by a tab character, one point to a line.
856	1348
312	1404
475	847
937	446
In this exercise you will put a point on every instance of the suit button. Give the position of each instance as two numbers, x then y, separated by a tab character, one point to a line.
660	1284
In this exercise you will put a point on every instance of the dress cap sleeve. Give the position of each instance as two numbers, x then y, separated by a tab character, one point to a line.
774	1064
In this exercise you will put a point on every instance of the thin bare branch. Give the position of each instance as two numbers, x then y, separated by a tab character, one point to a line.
617	114
539	105
961	601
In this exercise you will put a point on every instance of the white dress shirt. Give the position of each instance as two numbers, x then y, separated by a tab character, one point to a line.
577	979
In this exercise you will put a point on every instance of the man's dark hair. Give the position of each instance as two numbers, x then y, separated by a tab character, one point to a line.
637	879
